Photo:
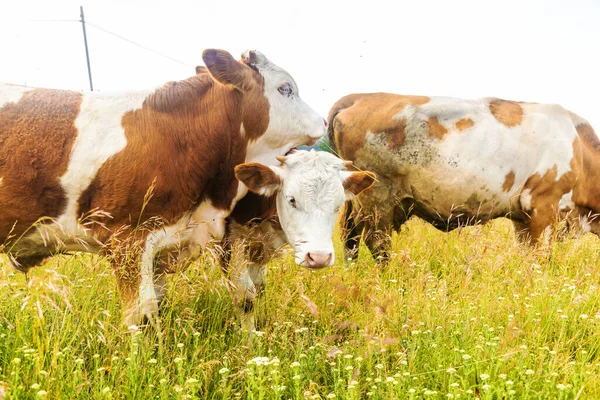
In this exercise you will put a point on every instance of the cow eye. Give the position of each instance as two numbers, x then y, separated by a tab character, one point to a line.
285	89
291	201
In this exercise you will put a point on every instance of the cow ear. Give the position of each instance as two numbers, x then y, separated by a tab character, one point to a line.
259	178
356	182
226	70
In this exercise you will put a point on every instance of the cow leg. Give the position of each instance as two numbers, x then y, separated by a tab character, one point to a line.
540	223
377	211
152	277
248	285
351	230
128	284
378	233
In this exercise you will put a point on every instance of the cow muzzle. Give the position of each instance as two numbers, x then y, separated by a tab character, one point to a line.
318	259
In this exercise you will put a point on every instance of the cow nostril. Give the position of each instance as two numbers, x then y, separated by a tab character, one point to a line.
309	259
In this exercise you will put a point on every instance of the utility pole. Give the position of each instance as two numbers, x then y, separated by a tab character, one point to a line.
87	53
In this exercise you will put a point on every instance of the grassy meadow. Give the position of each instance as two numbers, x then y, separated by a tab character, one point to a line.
469	314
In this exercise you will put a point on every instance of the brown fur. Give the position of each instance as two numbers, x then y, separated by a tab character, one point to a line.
359	181
509	181
509	113
545	196
464	123
256	176
380	107
395	136
36	137
436	129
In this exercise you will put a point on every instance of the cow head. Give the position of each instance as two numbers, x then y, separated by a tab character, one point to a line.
289	121
311	187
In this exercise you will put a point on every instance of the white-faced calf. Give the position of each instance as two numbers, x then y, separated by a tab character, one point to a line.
296	203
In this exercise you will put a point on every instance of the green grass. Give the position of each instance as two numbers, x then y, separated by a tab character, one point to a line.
461	315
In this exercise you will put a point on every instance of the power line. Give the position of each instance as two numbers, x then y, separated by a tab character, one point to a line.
137	44
53	20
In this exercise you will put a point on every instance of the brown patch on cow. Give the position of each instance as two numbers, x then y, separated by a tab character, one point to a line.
353	116
184	143
359	181
36	136
509	181
436	129
463	124
509	113
546	192
256	176
395	136
201	69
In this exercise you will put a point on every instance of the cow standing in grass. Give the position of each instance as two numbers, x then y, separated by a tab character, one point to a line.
295	203
458	162
83	171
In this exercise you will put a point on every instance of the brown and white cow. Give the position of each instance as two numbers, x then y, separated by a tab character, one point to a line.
457	162
295	203
165	155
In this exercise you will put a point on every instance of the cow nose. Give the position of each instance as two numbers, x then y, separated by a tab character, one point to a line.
318	259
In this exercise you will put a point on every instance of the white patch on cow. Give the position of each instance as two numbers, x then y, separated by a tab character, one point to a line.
12	93
100	136
526	200
471	166
208	222
566	202
292	122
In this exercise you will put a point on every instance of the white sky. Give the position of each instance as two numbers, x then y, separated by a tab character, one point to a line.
531	50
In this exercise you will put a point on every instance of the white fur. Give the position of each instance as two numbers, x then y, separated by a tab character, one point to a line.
100	136
315	180
526	199
292	122
566	202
